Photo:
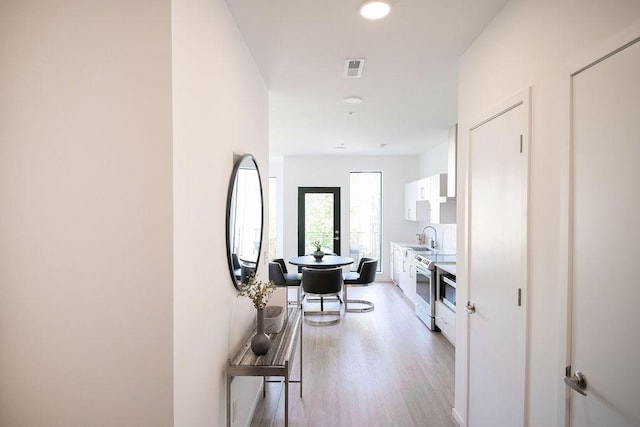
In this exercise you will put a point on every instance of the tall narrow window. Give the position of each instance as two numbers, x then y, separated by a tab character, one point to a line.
365	216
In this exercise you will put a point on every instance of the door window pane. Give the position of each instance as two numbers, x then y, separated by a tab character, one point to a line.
318	221
365	217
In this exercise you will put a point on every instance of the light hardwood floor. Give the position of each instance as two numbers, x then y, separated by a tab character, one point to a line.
382	368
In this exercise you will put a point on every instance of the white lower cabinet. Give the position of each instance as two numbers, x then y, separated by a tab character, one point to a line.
403	270
396	263
446	321
391	263
408	284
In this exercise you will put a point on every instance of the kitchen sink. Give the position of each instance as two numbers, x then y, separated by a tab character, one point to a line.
423	252
420	248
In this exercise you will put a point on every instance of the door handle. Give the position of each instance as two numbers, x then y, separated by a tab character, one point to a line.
471	307
578	382
336	238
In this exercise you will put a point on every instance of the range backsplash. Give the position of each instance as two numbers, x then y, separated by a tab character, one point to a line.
446	235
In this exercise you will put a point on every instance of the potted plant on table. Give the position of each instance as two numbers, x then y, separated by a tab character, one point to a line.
259	292
318	254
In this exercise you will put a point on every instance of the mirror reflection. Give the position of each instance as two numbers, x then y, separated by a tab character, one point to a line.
244	219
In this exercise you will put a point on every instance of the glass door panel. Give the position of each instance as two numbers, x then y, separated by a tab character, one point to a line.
318	219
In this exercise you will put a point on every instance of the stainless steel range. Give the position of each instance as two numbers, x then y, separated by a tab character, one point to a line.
426	284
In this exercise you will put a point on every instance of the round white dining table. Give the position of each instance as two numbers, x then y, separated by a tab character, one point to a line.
327	261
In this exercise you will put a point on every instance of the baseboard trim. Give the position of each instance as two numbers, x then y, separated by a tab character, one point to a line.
457	417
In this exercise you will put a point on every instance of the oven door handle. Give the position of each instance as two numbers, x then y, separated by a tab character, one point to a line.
423	272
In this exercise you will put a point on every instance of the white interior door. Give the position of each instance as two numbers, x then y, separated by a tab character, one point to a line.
605	220
498	170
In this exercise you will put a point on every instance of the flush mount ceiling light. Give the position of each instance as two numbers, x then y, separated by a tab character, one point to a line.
353	100
374	9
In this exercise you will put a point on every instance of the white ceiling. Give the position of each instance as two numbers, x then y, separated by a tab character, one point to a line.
409	82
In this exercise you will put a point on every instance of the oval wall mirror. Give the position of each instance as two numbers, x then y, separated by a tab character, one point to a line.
244	219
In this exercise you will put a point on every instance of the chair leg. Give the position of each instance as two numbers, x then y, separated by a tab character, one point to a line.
368	305
320	314
346	299
299	297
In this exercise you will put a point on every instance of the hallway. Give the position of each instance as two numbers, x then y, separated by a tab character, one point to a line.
382	368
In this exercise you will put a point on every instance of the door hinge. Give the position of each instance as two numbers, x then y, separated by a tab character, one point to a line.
519	297
567	371
520	143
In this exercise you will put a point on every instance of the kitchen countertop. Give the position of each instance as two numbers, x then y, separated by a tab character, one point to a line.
434	255
411	245
449	268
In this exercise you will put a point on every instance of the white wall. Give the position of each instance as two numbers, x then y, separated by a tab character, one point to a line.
333	171
116	305
276	169
435	160
432	162
532	43
85	213
220	108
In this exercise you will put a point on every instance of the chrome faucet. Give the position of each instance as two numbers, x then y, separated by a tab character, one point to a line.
434	242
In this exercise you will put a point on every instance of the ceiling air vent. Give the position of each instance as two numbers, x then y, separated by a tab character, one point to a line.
353	68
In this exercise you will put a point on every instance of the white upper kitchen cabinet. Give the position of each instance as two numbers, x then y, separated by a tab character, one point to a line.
443	212
426	200
424	189
423	210
410	198
438	186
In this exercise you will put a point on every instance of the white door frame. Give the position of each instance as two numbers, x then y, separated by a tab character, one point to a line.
522	98
595	55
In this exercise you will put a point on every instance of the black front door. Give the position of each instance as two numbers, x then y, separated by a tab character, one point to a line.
318	219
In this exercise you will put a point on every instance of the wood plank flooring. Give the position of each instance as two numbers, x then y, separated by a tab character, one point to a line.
382	368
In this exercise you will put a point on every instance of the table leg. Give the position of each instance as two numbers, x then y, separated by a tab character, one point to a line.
300	338
228	400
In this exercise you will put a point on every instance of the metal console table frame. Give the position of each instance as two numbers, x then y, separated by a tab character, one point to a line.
277	362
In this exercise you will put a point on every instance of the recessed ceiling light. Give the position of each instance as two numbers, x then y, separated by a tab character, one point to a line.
374	9
353	100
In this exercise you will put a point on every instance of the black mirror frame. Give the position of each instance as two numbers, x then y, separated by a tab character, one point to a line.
230	191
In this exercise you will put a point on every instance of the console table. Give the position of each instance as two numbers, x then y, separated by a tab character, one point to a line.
277	362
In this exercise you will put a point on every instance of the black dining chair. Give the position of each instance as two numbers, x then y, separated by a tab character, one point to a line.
363	276
279	275
322	283
246	271
237	271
